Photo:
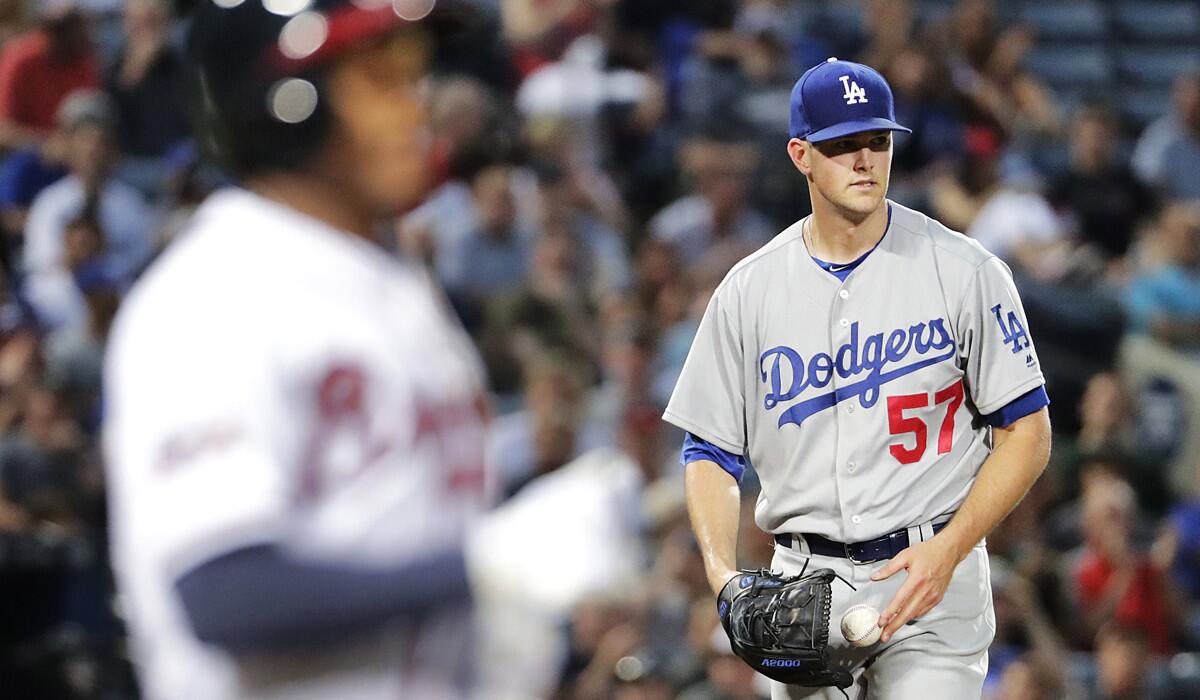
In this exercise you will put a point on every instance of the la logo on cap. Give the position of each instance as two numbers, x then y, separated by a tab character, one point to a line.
817	113
854	94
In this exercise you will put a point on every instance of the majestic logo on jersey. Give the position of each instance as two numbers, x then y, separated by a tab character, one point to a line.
790	375
854	94
1013	332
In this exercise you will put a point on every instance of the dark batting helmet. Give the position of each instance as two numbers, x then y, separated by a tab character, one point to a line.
258	67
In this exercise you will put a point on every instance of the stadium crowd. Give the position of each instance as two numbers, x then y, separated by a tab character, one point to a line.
597	166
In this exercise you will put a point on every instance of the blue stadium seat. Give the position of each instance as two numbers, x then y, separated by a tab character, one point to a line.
1077	67
1080	20
934	11
1159	21
1140	106
844	13
1156	66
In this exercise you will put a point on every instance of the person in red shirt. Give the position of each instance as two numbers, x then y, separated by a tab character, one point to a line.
40	68
1114	581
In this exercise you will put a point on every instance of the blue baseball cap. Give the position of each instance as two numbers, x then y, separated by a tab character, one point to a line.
838	98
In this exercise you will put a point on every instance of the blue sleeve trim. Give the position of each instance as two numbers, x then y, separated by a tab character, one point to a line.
1030	402
695	449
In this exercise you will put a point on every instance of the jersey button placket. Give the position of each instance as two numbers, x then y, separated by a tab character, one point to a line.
843	411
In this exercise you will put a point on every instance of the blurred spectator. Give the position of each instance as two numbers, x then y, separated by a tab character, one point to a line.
75	353
581	86
597	548
146	83
548	314
23	175
924	102
627	352
986	69
437	230
541	30
1096	190
718	217
1164	299
1028	678
495	257
1105	416
743	72
560	145
1162	350
124	218
741	78
39	69
1017	225
188	180
1182	536
602	633
461	109
553	393
1115	581
14	19
40	463
1168	153
726	676
1028	652
1123	665
1108	438
602	265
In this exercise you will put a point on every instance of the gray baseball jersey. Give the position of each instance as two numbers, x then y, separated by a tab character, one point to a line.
859	402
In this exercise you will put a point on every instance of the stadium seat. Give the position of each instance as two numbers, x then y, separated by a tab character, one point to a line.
1159	21
1143	105
1156	66
1077	67
1066	21
931	12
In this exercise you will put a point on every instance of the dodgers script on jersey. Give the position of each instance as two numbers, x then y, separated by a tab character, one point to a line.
273	379
859	403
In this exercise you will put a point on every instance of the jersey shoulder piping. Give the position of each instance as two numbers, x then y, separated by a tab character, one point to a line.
786	237
941	237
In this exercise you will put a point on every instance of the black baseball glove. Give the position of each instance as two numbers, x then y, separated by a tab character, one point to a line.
780	625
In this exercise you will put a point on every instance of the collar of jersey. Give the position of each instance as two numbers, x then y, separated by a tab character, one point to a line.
828	266
274	216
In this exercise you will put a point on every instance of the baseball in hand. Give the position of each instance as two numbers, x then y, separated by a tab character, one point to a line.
860	625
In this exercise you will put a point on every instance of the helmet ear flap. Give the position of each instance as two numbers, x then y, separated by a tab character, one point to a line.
265	125
249	114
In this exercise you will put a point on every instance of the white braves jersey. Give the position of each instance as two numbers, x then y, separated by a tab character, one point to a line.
858	402
273	379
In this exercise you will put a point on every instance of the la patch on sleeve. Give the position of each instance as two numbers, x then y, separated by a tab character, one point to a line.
1013	332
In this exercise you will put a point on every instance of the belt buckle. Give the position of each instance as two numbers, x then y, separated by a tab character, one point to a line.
846	548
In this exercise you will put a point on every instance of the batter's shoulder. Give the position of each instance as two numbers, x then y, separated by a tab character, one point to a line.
212	275
951	246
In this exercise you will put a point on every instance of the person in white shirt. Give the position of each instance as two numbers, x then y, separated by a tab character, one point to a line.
88	118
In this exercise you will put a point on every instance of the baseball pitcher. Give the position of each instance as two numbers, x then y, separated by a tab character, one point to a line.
877	371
